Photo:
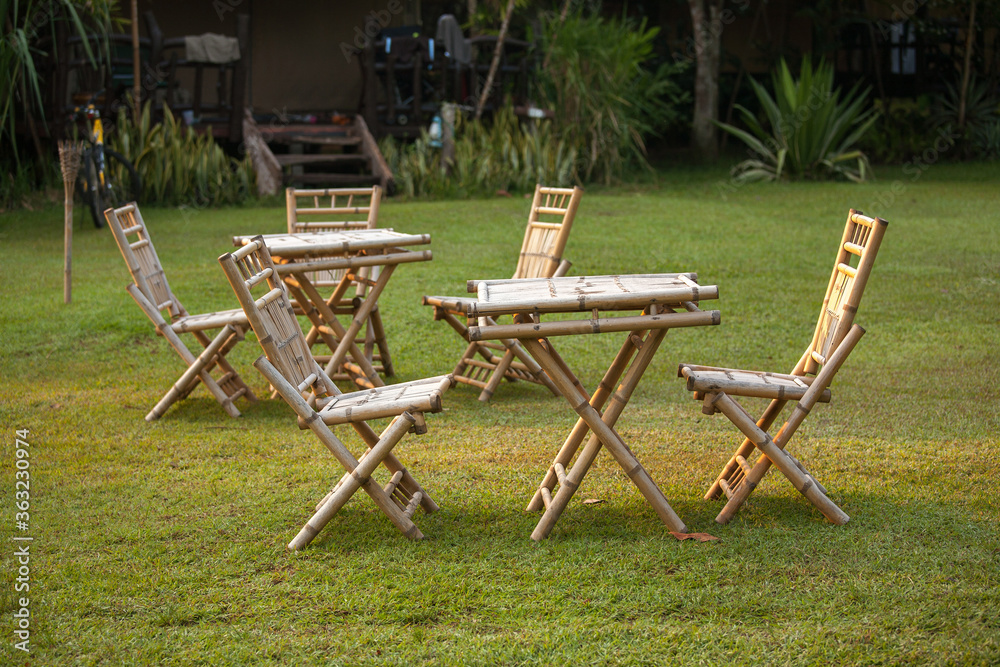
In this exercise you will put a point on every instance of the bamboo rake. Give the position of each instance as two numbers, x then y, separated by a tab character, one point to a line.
69	162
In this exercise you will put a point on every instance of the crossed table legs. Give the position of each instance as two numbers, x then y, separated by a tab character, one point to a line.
642	344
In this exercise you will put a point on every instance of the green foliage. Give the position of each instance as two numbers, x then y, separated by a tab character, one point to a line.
24	25
986	141
606	103
981	112
901	133
179	166
501	154
606	98
811	131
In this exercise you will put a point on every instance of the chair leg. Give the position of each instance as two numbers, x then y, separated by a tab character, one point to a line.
381	344
536	371
231	382
754	475
731	471
196	370
360	477
799	478
394	465
497	377
198	367
393	433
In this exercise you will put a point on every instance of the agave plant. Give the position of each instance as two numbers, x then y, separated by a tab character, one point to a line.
811	129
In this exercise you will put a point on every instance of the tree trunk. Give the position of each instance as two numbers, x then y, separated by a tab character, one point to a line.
497	52
706	18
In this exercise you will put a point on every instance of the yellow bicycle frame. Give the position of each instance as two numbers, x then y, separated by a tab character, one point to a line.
99	141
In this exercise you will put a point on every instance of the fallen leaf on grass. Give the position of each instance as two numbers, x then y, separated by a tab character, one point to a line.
701	537
592	501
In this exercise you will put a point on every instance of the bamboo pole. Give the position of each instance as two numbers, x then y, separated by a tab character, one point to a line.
339	451
619	399
610	439
580	430
786	432
540	300
802	481
353	480
69	162
666	320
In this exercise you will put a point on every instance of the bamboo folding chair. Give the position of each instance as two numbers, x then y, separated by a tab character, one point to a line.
152	292
338	210
549	224
301	381
834	338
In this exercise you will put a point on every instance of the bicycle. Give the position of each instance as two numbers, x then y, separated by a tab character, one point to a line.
106	178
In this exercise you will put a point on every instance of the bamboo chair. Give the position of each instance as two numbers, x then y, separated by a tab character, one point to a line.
834	338
152	292
290	368
549	224
337	210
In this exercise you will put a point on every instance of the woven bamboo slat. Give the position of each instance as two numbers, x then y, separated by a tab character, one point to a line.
569	294
290	367
311	244
747	383
667	320
335	263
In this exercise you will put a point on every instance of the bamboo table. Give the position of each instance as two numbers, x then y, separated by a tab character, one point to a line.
298	255
665	301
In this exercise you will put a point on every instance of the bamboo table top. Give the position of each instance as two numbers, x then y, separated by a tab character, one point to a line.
325	244
571	294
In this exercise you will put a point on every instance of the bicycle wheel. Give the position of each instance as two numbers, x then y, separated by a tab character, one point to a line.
121	181
87	188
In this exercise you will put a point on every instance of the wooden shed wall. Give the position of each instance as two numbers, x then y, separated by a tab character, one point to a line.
298	63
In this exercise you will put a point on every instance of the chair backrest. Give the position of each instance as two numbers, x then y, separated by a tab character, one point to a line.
855	258
250	269
549	222
332	209
341	209
141	259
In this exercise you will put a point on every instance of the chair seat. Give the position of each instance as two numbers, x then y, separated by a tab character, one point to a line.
204	321
713	380
388	401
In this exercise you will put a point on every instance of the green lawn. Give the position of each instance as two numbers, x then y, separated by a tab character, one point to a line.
164	543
